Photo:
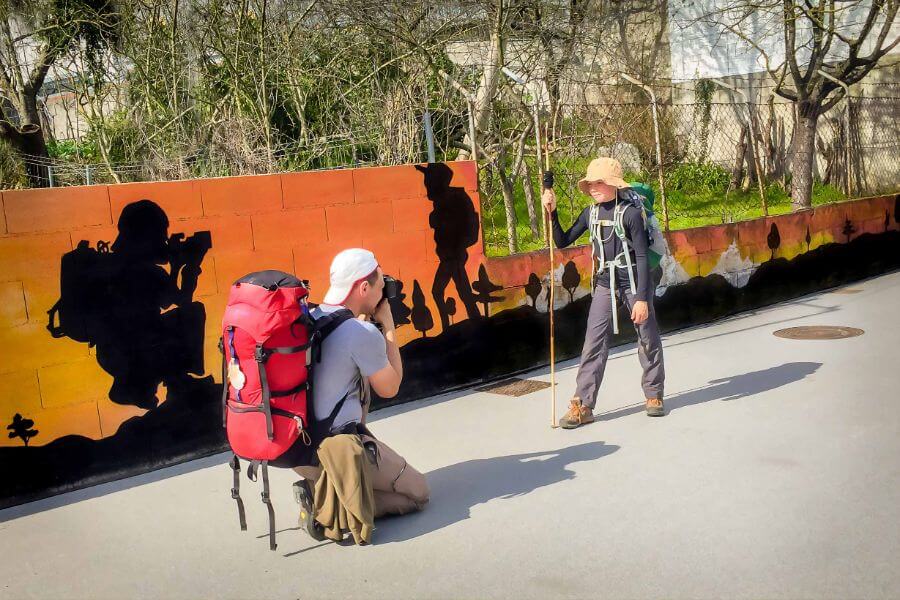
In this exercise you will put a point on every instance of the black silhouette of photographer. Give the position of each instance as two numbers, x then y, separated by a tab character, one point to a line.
139	315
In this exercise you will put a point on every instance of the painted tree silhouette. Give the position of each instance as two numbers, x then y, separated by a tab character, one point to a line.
808	238
533	289
571	279
21	428
897	209
848	229
399	310
484	286
887	220
450	307
773	239
421	315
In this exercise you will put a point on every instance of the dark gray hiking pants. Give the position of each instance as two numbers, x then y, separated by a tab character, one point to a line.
596	347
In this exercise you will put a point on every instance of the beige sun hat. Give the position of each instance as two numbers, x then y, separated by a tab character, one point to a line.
604	169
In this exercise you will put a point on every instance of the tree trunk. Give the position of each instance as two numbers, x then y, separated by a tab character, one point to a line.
857	165
532	204
804	153
737	172
509	203
28	142
487	87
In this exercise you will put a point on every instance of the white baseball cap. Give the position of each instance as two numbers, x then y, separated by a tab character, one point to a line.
348	268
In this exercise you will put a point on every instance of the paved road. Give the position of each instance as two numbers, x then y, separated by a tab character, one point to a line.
775	475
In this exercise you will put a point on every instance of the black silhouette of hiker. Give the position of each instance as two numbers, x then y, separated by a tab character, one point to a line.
142	318
455	225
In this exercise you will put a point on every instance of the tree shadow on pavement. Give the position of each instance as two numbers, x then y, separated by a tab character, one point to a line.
455	489
727	388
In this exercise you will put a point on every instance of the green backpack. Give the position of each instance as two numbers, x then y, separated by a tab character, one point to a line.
657	242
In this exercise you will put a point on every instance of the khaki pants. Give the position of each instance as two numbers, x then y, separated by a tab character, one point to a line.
399	488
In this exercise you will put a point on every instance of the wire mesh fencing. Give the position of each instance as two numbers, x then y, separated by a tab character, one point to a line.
719	161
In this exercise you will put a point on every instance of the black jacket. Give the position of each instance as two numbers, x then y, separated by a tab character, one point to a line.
635	232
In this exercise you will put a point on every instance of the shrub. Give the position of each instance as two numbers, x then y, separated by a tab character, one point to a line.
698	177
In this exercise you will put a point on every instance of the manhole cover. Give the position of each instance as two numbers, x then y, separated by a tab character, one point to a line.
515	386
848	291
818	332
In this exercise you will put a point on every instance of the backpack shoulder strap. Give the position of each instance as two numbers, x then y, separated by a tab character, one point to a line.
619	220
326	324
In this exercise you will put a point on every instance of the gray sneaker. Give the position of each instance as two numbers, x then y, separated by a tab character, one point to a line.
303	494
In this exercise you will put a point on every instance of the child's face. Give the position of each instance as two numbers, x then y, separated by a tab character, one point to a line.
601	192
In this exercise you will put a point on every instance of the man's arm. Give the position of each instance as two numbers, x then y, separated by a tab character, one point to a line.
386	382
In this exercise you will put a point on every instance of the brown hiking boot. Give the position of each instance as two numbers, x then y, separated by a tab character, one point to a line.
655	407
577	416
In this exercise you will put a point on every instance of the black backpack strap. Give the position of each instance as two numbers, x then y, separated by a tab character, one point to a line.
224	382
268	502
328	322
289	349
266	498
294	390
322	429
261	358
320	329
325	326
236	490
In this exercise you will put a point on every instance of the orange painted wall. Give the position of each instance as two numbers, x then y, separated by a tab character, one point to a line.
293	222
699	250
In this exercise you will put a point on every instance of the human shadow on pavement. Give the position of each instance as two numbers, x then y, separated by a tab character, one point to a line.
456	488
727	388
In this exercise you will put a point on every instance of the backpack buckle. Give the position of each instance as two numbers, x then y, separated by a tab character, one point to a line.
261	354
235	494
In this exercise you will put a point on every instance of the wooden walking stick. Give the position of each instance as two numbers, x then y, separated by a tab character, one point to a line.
548	183
548	225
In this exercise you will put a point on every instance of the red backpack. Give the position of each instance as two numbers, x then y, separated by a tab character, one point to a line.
268	344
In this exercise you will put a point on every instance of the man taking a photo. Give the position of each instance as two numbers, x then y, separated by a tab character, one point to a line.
357	358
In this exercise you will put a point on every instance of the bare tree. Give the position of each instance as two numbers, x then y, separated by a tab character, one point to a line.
845	40
642	35
34	34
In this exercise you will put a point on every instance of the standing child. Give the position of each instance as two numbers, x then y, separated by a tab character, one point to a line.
619	242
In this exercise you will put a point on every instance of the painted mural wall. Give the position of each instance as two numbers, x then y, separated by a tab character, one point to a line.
111	297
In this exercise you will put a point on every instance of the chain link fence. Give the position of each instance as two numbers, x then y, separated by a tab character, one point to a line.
708	157
709	162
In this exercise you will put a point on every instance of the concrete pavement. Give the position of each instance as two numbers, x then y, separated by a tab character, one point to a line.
775	475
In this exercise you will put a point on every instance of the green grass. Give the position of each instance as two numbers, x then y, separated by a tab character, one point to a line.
688	208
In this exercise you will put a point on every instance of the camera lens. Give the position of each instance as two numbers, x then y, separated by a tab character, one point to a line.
391	288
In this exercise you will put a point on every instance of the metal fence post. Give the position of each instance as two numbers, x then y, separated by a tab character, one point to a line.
50	174
429	137
87	174
662	185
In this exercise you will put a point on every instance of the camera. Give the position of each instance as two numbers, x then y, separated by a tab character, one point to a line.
190	250
391	288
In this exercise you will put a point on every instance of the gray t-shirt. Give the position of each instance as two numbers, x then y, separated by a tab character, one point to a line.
356	348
